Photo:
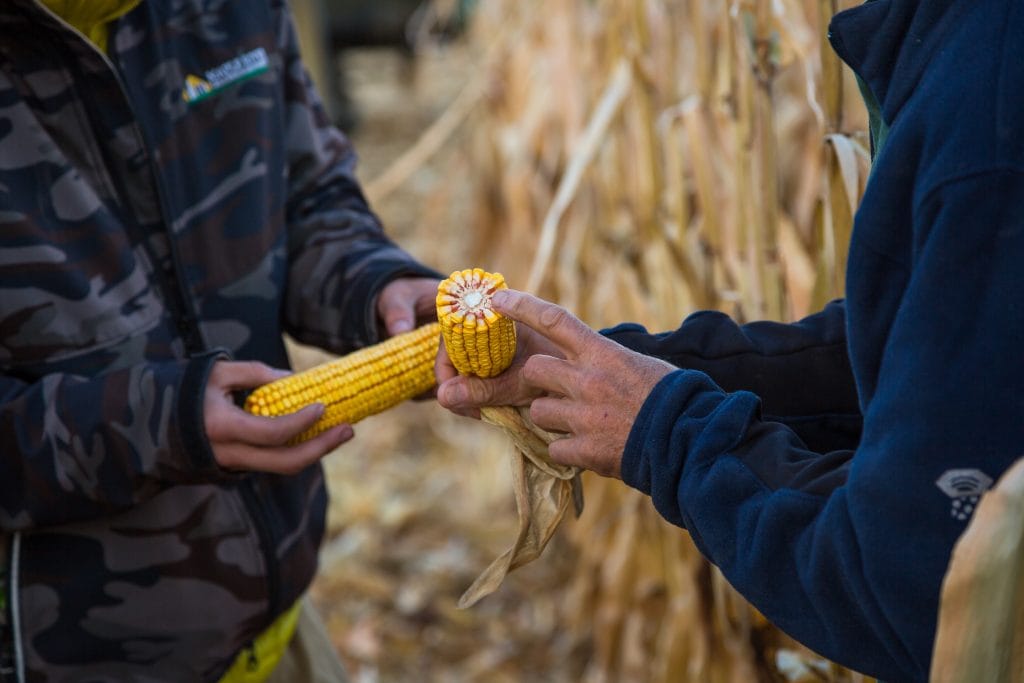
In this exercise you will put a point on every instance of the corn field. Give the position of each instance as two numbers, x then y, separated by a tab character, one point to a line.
634	160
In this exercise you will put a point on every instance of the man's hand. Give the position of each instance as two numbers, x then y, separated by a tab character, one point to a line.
591	391
406	303
241	441
465	395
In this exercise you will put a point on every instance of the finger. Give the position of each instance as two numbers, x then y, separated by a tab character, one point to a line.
467	392
233	375
292	459
236	425
553	375
407	301
566	451
552	414
577	451
452	396
551	320
283	459
443	368
426	304
399	317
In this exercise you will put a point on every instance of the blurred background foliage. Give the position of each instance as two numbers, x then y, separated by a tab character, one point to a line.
633	160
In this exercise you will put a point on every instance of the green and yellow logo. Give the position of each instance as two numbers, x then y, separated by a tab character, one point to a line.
229	73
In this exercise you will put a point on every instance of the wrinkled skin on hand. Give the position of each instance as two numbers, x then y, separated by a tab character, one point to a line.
577	383
465	395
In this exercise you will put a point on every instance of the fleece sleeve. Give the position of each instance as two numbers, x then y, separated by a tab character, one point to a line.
846	552
339	256
800	371
76	448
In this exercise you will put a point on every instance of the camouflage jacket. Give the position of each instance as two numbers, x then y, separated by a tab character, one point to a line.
182	199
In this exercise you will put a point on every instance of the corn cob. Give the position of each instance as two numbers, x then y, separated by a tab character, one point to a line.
360	384
479	340
482	342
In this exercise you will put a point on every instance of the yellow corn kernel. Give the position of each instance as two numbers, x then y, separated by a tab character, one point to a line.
479	340
360	384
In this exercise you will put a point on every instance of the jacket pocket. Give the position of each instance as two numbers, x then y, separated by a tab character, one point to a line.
181	578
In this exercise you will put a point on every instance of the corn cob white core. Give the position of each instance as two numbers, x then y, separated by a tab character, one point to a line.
479	340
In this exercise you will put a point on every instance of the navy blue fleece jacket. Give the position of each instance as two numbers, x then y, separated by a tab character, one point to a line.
828	466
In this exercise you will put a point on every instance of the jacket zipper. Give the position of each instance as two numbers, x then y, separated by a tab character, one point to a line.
188	320
251	498
14	581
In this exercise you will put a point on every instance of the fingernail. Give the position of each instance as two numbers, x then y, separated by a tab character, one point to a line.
400	326
499	298
455	395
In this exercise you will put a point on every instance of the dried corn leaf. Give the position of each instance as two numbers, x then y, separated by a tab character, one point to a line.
543	491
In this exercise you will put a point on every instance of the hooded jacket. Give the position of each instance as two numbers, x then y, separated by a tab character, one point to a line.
179	199
829	466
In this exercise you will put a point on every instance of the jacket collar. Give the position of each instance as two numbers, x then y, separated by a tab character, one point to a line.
888	43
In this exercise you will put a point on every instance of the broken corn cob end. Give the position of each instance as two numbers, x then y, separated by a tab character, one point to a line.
479	340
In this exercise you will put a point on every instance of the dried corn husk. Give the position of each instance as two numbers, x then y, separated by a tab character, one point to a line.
543	492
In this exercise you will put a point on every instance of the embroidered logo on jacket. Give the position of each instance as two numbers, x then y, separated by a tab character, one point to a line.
229	73
965	488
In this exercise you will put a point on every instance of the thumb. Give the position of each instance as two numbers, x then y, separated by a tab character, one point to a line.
462	393
453	396
398	318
